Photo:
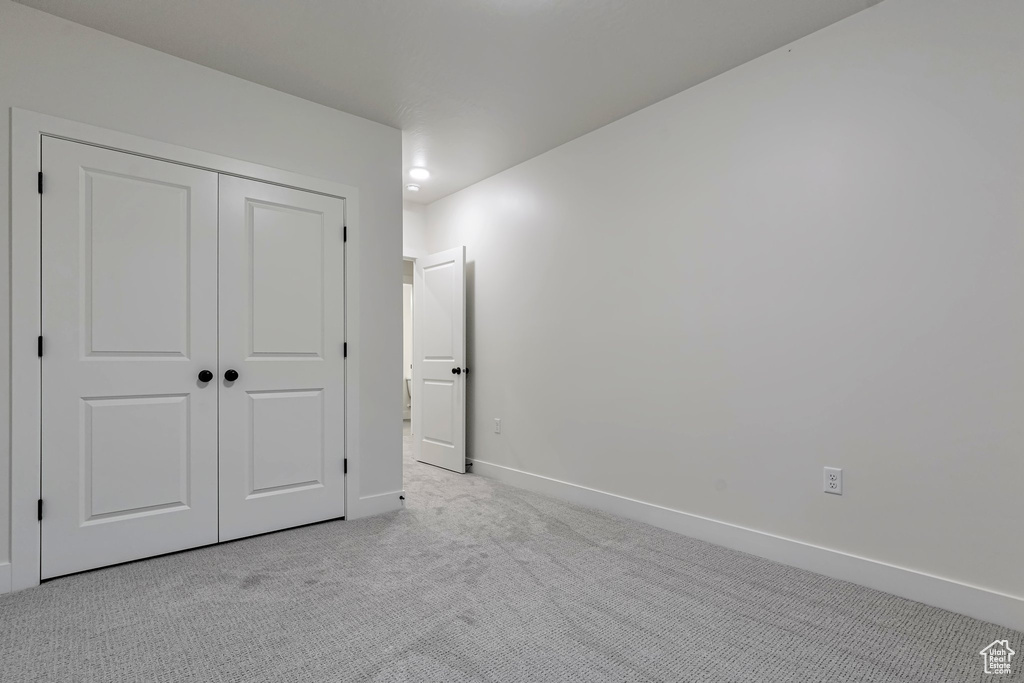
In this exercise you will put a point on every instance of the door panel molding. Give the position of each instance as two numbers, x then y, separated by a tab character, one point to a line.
27	132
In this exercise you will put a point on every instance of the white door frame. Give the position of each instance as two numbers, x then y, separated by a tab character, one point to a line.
27	130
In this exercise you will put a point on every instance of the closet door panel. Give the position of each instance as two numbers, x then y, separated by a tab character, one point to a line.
282	307
129	434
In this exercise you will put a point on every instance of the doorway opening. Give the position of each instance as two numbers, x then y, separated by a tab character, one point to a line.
407	389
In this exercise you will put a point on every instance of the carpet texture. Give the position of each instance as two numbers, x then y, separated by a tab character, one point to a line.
478	581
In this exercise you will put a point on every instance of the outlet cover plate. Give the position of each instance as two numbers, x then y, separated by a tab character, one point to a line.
833	481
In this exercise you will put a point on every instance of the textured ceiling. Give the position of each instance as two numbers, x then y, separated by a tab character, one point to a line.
476	86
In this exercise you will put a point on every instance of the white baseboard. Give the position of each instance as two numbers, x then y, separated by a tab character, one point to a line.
980	603
5	577
376	505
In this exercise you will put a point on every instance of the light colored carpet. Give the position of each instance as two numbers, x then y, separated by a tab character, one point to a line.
477	581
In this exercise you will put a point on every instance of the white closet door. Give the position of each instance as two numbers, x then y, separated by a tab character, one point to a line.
282	308
129	434
439	359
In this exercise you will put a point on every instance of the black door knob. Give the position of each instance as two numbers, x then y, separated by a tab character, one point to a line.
456	371
205	375
231	375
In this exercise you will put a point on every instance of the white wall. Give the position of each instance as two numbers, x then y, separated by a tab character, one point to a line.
814	259
56	67
414	230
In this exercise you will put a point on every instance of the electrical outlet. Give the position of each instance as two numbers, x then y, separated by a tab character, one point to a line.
497	425
833	481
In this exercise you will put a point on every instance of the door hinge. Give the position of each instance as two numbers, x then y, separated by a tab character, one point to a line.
39	346
344	466
40	182
39	510
344	233
344	350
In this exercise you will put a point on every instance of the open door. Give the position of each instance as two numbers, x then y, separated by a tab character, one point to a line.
439	359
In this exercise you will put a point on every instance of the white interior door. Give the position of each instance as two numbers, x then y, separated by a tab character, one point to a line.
439	359
282	330
129	433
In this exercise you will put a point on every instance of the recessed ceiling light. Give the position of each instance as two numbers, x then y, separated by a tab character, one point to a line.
419	173
412	188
